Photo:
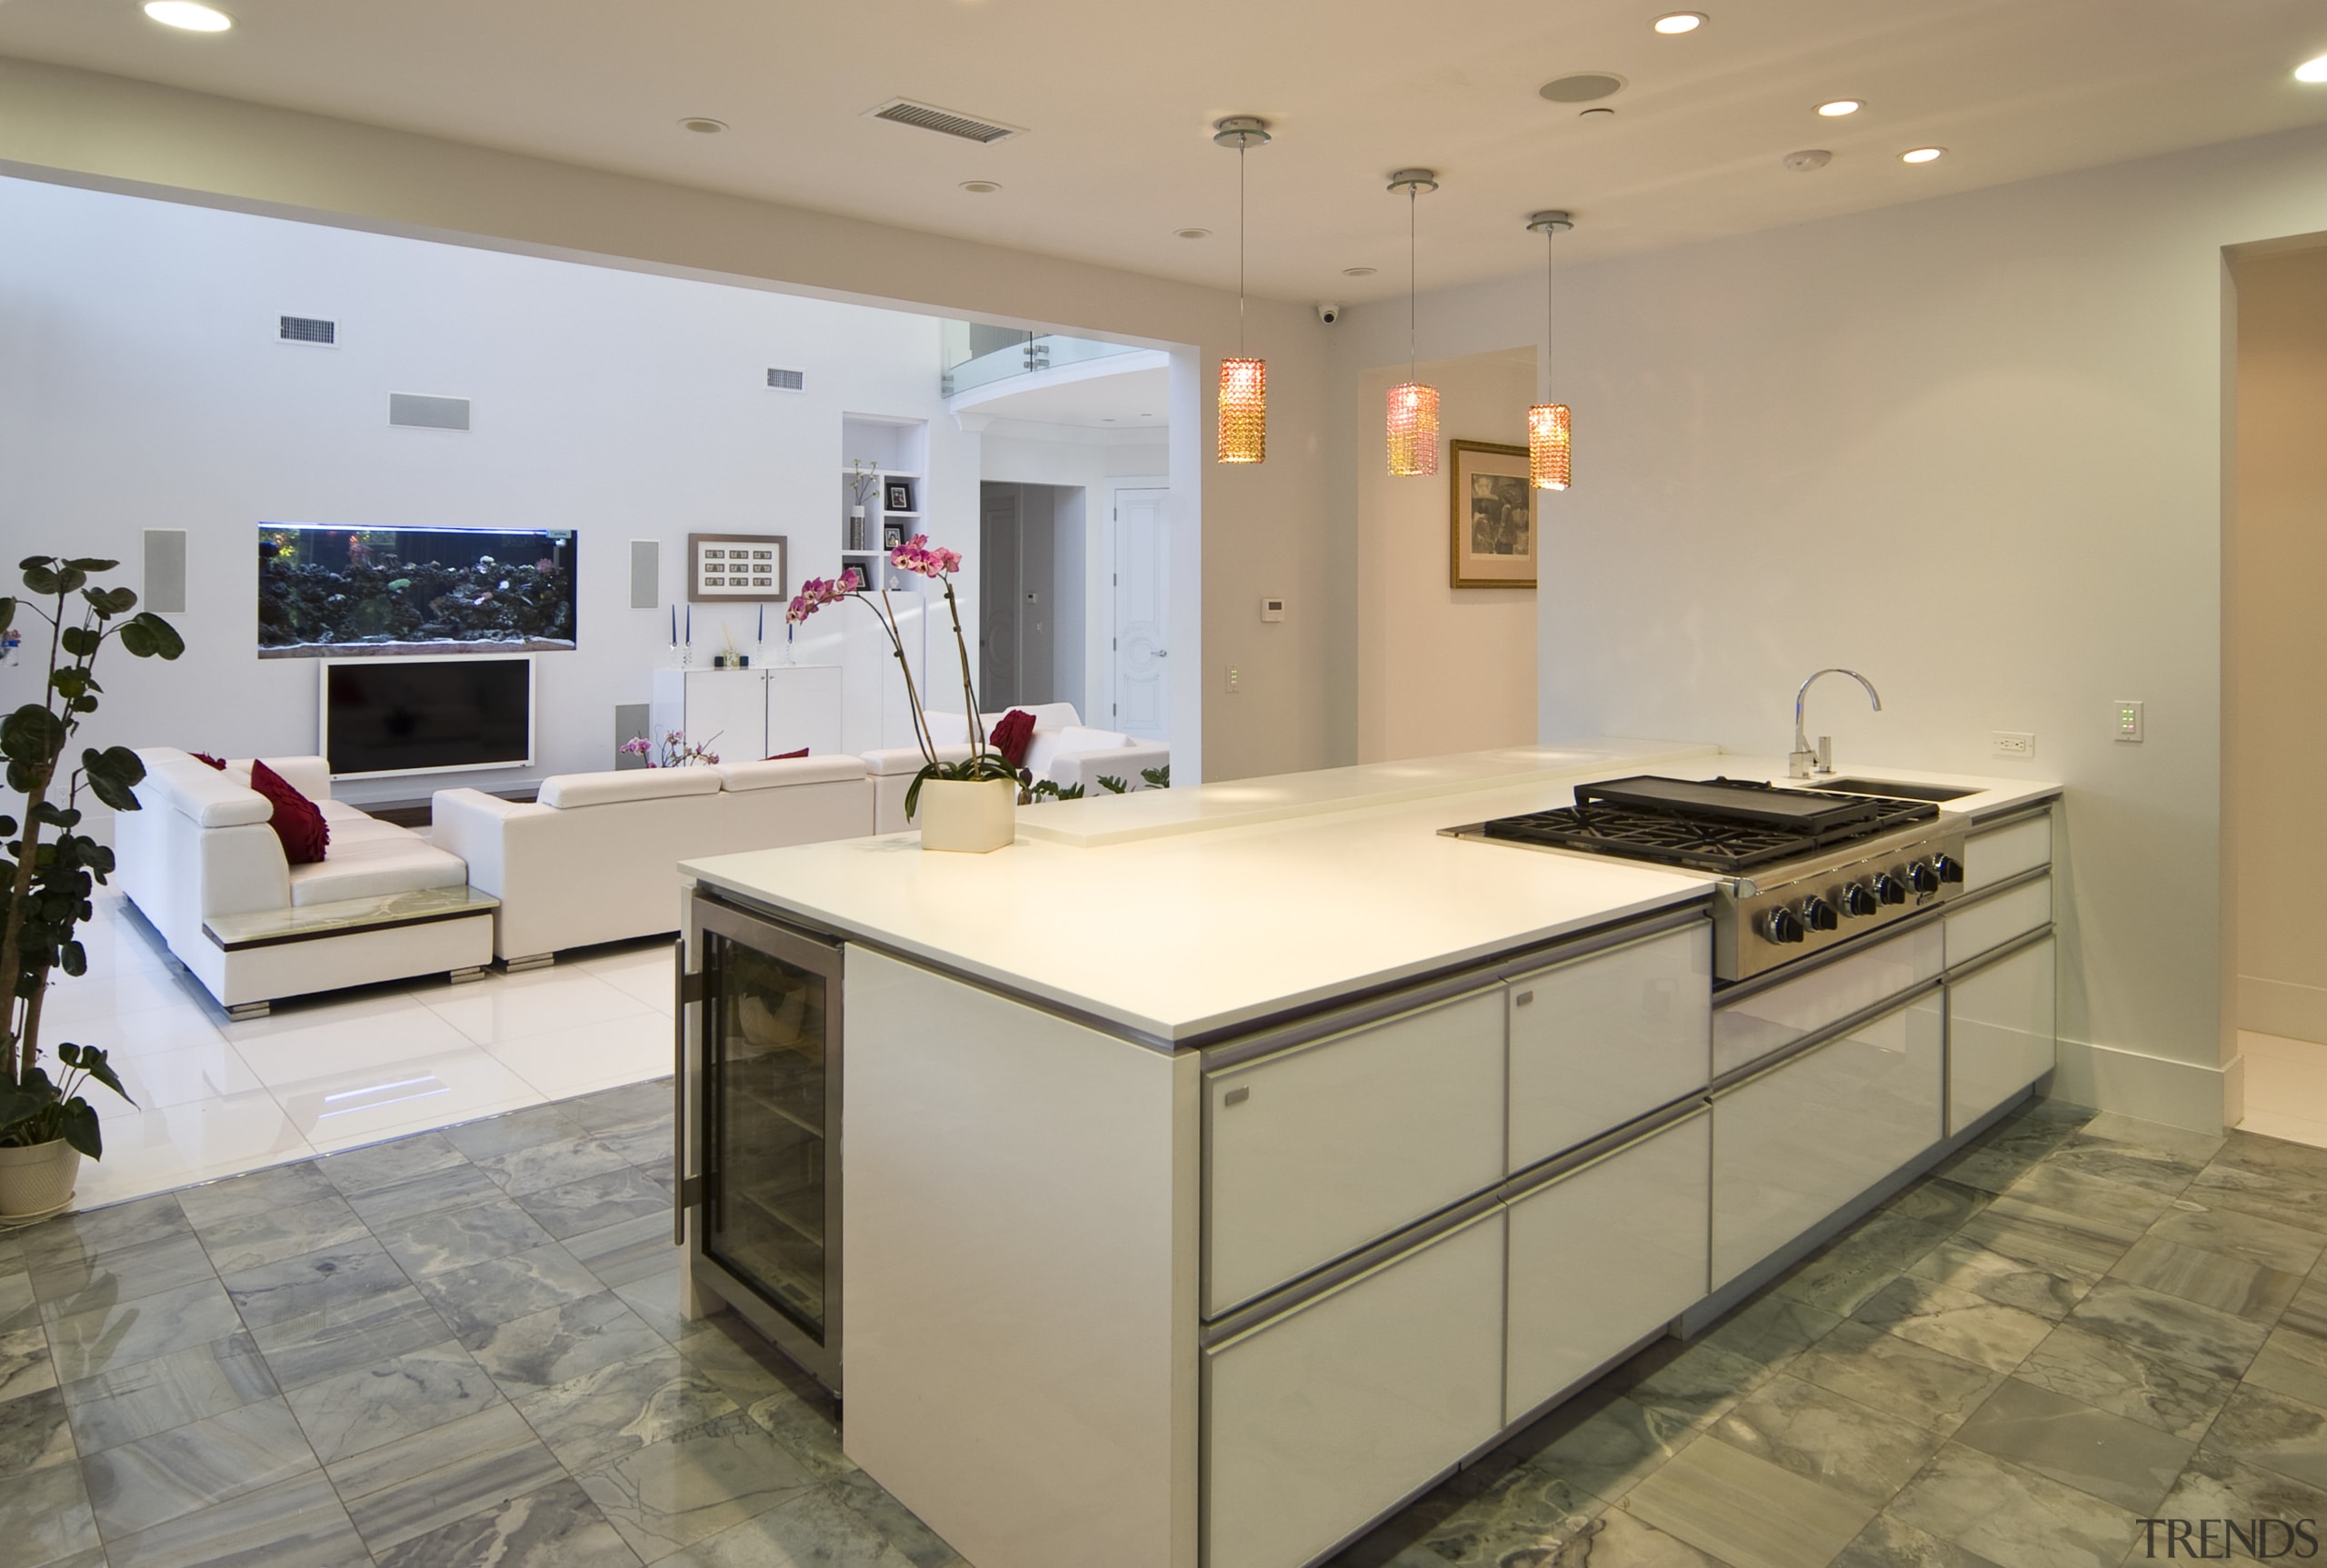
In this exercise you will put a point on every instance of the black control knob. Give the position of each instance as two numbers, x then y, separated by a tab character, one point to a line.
1949	869
1820	915
1890	889
1783	926
1923	878
1858	899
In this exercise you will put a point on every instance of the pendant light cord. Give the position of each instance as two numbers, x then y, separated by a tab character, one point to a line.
1551	311
1413	193
1240	250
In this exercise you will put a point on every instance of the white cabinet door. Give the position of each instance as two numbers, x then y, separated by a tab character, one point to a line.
1604	1255
1318	1151
2001	1033
1990	922
2002	854
1796	1144
804	708
1602	1039
1769	1020
1319	1420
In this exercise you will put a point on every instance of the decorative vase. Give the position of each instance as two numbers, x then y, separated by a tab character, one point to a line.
968	816
37	1180
856	527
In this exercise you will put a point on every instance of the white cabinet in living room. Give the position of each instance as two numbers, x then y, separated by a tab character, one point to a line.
1608	1038
748	713
2001	1031
1794	1144
1320	1419
1318	1150
1602	1256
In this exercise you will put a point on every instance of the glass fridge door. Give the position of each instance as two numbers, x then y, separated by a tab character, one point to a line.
770	1076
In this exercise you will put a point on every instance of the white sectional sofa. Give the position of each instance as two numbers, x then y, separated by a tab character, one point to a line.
200	863
1066	750
595	858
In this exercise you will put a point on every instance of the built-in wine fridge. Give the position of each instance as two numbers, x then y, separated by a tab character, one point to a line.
758	1128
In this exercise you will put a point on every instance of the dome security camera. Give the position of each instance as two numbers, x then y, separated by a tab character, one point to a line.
1328	311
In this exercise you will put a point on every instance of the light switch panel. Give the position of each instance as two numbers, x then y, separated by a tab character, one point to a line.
2127	713
1271	609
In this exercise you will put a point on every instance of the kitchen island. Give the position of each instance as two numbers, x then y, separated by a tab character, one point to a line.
1219	1168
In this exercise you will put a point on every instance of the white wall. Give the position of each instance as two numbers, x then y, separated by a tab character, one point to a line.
142	384
2277	642
1972	447
1439	669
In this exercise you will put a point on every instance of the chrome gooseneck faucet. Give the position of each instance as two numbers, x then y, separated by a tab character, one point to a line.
1802	761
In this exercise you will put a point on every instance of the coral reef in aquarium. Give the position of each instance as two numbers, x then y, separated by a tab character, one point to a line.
343	591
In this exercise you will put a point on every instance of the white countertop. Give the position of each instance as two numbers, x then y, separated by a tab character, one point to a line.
1175	914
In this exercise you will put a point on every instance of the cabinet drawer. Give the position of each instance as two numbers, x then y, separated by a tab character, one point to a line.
1992	922
1316	1151
1604	1255
2001	1032
1599	1041
1794	1144
2004	853
1744	1032
1321	1419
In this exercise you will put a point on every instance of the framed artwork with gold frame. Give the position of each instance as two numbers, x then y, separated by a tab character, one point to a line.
1492	537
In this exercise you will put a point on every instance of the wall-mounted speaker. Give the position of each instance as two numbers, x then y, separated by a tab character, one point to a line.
631	720
164	571
646	573
421	412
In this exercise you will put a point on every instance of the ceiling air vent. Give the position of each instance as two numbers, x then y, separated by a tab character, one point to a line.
309	329
788	380
929	117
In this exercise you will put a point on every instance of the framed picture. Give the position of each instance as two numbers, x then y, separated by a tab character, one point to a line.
737	568
1490	531
899	498
891	535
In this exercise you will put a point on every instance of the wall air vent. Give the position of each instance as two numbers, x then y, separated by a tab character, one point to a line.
309	329
788	380
929	117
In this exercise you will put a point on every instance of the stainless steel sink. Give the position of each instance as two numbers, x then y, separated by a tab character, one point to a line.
1896	791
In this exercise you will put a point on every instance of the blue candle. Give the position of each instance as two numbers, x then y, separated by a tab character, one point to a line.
690	625
674	625
763	621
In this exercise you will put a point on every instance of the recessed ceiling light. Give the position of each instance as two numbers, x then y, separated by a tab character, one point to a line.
1359	271
1807	159
981	188
2311	70
1680	22
1839	108
1195	233
1920	154
187	13
1597	115
704	125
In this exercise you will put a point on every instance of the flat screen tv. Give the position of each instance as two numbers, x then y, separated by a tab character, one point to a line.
427	716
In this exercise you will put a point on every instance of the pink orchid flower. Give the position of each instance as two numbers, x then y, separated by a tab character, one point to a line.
916	555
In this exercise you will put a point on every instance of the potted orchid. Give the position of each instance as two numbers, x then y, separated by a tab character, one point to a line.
970	804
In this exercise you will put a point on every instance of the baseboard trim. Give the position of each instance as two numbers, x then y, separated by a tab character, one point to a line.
2194	1096
2282	1007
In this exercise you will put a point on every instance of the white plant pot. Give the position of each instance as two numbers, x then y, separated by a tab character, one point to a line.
969	816
37	1180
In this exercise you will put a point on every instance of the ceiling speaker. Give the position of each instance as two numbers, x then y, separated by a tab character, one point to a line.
165	570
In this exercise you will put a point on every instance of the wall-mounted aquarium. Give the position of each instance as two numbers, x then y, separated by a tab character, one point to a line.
349	592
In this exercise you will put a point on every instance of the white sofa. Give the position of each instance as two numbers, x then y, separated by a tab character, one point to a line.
1064	750
595	858
199	849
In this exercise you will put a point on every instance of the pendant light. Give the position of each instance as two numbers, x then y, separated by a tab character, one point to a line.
1414	407
1547	422
1244	381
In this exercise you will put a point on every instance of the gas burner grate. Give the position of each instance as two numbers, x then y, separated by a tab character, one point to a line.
1699	841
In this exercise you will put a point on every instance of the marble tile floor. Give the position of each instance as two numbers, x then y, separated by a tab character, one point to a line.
453	1349
216	1097
2286	1087
2078	1322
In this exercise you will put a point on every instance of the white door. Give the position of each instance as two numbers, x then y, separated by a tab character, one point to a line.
1142	654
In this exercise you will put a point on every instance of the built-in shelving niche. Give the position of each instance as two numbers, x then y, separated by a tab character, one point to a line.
897	449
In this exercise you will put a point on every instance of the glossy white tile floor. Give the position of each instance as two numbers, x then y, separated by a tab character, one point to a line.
216	1097
2286	1088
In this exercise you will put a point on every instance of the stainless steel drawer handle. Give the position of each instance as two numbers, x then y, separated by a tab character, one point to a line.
1237	1096
1523	998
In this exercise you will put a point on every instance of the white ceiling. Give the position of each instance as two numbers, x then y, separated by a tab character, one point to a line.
1137	396
1118	101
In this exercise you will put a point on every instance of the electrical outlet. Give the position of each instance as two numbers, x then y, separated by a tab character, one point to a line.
1235	678
2017	745
2127	713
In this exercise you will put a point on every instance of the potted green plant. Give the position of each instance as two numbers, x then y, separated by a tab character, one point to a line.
46	1125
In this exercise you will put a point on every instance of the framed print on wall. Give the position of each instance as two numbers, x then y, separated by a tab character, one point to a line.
1492	537
736	567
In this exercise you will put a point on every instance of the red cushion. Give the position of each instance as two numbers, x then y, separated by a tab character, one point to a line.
205	757
1013	735
786	756
297	821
